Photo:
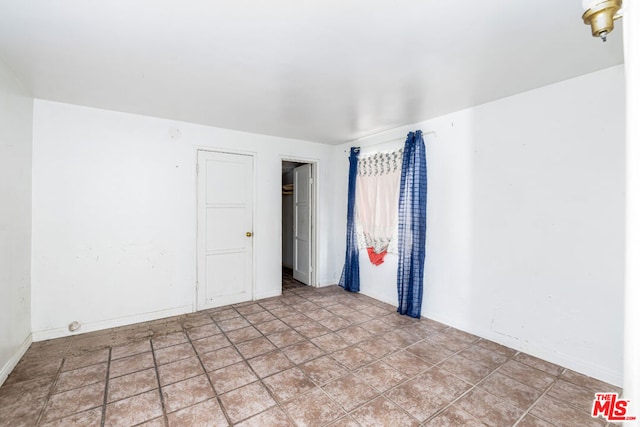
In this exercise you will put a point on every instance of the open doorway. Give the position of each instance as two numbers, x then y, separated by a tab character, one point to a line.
298	230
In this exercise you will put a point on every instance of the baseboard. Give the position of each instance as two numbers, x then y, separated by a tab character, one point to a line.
379	297
324	284
599	372
270	294
550	355
325	281
111	323
586	368
15	358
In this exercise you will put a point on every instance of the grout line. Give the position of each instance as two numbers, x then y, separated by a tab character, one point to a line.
325	354
378	394
433	365
155	366
322	390
204	368
473	386
271	393
50	392
106	389
544	393
294	297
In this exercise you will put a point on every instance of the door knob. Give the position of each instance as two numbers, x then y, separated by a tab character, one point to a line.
249	234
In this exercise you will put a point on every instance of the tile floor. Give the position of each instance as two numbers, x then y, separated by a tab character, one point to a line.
312	357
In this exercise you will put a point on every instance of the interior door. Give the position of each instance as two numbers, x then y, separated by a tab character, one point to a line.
225	233
302	182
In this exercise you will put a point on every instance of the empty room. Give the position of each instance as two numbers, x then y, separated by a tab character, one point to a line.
356	213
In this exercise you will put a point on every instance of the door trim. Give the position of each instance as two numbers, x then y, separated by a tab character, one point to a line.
196	150
315	167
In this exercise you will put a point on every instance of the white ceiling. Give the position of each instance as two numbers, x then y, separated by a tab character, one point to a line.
326	70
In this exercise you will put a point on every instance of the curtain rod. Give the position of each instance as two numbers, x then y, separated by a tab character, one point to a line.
431	132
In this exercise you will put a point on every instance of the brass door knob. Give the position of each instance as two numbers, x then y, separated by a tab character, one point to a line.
249	234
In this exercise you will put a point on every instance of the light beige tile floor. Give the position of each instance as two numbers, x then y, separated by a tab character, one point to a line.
311	357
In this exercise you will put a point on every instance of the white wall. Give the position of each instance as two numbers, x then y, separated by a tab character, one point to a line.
525	234
16	116
632	277
114	231
525	230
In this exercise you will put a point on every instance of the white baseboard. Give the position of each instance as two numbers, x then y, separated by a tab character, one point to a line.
550	355
545	353
323	284
15	358
270	294
379	297
111	323
599	372
327	281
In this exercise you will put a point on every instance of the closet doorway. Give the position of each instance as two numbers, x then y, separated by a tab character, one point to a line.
298	223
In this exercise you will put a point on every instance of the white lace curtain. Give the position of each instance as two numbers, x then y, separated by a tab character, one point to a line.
377	194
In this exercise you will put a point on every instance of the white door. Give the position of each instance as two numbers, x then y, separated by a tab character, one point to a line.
225	233
302	182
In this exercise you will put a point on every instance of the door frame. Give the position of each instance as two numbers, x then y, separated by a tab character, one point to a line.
254	181
315	167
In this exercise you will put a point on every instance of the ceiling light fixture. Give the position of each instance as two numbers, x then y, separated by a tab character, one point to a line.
600	14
